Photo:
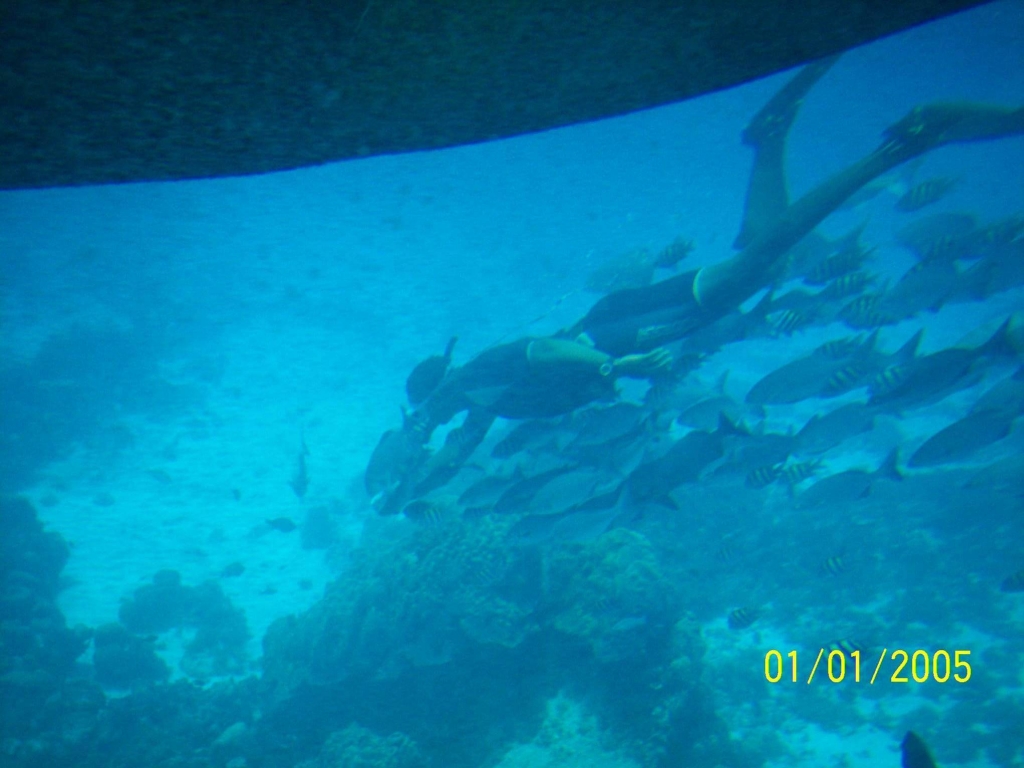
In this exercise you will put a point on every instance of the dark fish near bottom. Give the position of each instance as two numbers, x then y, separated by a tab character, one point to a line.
1014	582
915	752
963	438
584	522
821	433
742	618
847	486
684	462
282	524
427	511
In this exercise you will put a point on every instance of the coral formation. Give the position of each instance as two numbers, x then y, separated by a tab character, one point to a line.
218	647
357	747
125	661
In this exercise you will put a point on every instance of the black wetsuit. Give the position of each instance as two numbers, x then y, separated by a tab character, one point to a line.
641	319
502	382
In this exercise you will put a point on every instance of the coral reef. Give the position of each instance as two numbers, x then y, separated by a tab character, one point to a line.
357	747
221	633
37	649
490	633
122	660
442	644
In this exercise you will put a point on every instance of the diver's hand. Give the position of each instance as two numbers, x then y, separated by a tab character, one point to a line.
643	366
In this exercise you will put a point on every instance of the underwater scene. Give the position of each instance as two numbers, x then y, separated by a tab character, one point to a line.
685	438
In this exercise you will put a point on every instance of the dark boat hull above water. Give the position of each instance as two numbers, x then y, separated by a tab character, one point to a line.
191	89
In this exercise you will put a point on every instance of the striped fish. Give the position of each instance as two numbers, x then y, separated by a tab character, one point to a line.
848	285
837	349
838	264
426	511
927	192
889	380
795	474
866	312
846	378
763	476
726	552
999	233
742	618
833	566
844	645
787	321
947	248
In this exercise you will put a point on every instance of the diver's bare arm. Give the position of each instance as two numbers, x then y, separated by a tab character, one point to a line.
549	351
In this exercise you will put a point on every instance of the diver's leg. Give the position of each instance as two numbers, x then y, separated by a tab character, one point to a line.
720	287
767	194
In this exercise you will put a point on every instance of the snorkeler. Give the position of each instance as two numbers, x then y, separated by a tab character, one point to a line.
623	334
523	379
638	319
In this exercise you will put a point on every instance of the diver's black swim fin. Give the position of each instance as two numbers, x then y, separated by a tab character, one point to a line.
915	752
778	114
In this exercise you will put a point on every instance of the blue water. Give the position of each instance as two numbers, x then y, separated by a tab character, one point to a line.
169	348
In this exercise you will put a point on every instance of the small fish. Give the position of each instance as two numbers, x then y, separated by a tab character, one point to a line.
833	566
763	476
999	233
889	380
1014	582
845	379
963	438
159	475
927	192
573	525
787	321
844	645
525	435
517	496
684	462
926	379
866	312
300	480
849	485
632	269
795	381
232	569
428	511
282	524
915	752
673	253
488	571
840	349
705	412
1004	476
427	374
398	453
726	552
836	265
742	618
848	285
487	490
925	286
939	236
795	474
629	623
